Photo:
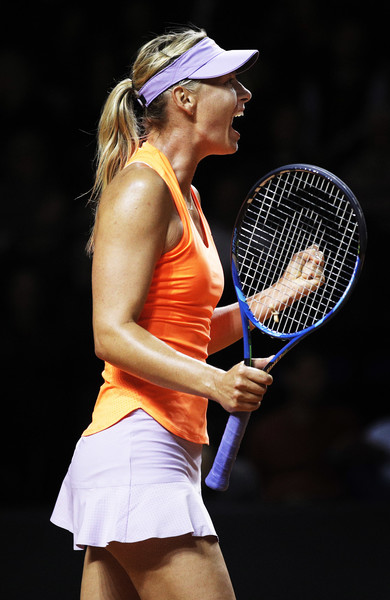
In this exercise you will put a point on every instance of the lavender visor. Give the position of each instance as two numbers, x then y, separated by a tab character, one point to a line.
205	60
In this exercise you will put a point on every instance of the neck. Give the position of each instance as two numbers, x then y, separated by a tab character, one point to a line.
182	155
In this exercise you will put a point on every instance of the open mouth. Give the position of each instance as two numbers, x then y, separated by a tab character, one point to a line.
237	114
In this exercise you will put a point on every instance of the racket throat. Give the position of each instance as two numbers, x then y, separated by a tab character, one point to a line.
249	357
247	339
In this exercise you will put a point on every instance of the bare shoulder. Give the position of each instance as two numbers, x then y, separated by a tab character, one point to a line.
135	210
135	187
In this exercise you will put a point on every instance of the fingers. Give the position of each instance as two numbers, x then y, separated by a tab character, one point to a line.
307	267
249	385
313	262
312	255
261	363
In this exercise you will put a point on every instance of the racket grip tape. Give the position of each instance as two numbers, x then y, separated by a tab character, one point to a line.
219	475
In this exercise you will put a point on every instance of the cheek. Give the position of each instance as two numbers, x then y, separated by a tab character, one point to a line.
218	113
219	106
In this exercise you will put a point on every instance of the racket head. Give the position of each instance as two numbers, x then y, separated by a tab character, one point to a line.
288	210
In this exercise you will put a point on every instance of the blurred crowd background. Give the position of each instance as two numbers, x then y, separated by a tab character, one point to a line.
320	95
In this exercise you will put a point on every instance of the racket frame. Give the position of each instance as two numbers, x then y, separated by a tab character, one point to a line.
218	477
246	313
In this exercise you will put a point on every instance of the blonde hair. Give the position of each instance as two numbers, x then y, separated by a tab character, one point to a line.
123	122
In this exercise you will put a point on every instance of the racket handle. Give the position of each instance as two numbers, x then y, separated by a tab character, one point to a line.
218	478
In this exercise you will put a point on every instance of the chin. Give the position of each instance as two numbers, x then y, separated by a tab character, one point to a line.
229	148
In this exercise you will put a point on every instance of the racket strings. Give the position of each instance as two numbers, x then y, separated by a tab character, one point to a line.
287	215
337	212
288	248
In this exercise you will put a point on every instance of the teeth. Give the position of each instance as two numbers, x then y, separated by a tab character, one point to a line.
239	114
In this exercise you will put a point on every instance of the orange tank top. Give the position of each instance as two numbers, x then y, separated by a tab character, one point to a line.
186	287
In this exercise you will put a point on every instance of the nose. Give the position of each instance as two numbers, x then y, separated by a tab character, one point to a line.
243	93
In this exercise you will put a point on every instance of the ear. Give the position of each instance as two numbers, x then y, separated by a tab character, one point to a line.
184	99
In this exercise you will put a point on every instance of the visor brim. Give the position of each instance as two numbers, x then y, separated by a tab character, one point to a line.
228	61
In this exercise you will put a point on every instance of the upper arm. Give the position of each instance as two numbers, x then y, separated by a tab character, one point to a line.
131	229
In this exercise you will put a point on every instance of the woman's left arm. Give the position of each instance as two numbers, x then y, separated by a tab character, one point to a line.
303	275
226	327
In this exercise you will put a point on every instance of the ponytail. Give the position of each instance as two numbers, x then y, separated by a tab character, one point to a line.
121	125
118	139
118	134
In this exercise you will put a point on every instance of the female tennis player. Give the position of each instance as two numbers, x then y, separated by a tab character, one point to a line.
132	494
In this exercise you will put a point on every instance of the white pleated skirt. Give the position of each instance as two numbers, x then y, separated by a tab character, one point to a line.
131	482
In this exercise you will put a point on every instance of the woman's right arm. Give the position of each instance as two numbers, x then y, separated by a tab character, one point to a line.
135	219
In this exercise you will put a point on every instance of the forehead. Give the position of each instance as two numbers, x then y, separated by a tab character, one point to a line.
216	82
220	79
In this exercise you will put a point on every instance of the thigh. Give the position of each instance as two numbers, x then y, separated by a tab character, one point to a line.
104	578
175	568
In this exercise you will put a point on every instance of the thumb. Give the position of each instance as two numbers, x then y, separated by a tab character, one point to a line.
261	363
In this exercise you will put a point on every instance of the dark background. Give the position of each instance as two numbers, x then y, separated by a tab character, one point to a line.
309	500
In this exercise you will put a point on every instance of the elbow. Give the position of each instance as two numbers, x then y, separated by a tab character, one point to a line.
102	342
112	341
99	349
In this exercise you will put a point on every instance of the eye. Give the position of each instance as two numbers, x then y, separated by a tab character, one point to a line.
230	82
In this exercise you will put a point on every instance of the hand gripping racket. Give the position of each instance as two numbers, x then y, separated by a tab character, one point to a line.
297	251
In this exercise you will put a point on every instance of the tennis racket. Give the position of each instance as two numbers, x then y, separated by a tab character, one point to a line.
297	251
